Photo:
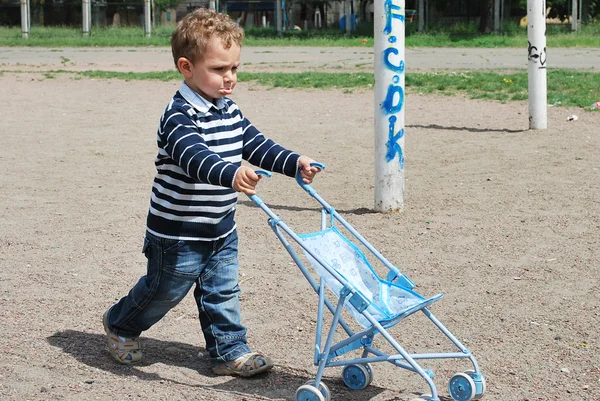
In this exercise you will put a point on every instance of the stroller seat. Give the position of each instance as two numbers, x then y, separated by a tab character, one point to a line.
389	302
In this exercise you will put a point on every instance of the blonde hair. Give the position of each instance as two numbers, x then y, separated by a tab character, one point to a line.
195	30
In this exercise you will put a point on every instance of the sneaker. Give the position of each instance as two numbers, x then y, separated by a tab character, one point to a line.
247	365
124	350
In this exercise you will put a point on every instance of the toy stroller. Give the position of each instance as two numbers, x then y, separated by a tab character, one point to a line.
376	303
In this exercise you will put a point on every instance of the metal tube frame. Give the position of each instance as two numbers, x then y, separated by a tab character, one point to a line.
324	354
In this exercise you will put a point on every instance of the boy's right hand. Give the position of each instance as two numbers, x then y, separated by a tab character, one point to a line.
246	180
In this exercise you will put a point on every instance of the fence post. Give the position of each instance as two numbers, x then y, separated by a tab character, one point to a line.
574	16
147	18
278	17
25	19
86	12
421	16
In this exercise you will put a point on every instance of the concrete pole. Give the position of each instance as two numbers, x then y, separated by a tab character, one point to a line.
538	86
147	18
389	104
86	11
574	15
421	16
278	17
497	16
212	4
25	18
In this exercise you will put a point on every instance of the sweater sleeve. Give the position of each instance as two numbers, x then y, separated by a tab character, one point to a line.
181	140
265	153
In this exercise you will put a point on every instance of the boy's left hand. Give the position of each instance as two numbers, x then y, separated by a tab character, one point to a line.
307	172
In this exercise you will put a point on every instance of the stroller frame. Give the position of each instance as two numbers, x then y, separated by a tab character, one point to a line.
358	373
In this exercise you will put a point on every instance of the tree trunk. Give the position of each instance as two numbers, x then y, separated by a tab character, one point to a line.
486	19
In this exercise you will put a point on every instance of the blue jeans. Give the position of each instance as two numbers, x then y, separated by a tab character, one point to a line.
174	266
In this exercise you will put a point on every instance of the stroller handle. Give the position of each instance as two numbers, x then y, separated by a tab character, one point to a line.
304	186
265	173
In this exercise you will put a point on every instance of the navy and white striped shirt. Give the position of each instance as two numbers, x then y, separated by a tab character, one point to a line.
200	148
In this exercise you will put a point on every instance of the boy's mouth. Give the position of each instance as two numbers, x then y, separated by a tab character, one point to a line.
226	91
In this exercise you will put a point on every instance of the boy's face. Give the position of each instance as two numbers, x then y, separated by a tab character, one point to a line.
215	75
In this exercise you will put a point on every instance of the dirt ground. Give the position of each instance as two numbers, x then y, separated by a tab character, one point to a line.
504	220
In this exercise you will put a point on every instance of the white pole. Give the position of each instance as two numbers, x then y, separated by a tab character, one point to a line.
25	19
86	16
212	4
538	87
389	105
147	18
574	15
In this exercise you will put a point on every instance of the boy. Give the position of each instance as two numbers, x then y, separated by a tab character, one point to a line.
191	235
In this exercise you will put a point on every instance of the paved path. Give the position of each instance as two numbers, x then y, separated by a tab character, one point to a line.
293	59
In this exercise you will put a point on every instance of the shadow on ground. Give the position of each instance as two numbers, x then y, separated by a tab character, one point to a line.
357	211
468	129
281	383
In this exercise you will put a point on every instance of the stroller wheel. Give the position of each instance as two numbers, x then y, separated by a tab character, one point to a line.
479	383
357	376
309	393
322	387
462	387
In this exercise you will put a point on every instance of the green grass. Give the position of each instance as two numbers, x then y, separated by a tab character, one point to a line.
565	87
457	36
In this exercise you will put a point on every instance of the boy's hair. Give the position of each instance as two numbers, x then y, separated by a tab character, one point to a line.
195	30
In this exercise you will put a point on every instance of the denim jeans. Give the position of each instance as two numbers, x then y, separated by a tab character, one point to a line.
174	266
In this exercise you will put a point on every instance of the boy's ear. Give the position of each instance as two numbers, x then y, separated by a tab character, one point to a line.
185	67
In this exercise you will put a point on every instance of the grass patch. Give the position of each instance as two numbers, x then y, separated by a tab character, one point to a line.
456	36
565	87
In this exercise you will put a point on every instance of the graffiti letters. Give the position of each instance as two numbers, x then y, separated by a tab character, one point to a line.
537	56
393	147
391	11
394	100
399	67
394	97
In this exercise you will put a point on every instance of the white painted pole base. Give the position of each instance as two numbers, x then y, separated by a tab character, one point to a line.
389	105
538	86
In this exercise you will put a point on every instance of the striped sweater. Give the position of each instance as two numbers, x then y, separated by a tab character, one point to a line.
200	148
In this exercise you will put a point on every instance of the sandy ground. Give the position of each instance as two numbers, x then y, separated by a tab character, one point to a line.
503	220
294	59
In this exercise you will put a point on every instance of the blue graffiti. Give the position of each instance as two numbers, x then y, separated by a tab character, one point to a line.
391	11
393	147
386	60
388	105
394	99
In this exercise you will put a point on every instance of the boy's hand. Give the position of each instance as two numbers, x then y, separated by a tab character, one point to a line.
246	180
307	172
